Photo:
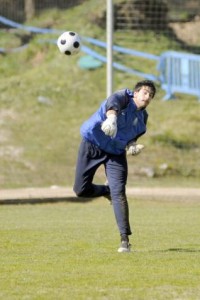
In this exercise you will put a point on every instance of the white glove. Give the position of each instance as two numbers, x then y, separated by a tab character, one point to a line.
109	126
134	149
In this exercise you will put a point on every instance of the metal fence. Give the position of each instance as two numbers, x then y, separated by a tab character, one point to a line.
16	9
177	19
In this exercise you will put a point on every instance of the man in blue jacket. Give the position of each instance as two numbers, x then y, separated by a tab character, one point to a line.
107	137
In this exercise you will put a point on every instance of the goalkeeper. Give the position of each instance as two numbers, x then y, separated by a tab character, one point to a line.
108	136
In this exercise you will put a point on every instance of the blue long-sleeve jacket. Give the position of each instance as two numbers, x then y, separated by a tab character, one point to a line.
131	123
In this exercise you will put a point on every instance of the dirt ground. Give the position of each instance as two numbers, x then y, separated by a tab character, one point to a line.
188	32
64	194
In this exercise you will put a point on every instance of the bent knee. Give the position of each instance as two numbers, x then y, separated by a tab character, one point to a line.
79	192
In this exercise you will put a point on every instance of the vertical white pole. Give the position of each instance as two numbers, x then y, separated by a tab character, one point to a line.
109	33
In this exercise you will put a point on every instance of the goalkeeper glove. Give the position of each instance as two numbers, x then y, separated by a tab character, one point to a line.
134	149
109	126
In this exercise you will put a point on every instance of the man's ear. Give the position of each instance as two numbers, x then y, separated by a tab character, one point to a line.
135	93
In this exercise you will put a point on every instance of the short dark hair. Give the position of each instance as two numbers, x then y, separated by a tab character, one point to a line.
148	83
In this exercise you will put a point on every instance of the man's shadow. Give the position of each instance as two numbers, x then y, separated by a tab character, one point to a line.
71	199
179	250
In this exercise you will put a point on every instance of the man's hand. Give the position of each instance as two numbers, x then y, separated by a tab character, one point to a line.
109	126
134	149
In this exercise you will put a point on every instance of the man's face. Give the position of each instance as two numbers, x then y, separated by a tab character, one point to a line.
143	97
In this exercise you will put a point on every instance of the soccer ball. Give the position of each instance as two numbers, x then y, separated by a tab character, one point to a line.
69	43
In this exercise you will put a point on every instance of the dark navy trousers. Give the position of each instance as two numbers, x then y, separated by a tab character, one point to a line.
90	157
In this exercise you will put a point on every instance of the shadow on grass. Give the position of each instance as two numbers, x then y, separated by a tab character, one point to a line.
46	200
179	250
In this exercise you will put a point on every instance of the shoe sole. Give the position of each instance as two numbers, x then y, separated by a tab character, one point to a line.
124	250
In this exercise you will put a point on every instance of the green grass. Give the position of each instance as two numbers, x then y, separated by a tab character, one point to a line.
39	142
69	251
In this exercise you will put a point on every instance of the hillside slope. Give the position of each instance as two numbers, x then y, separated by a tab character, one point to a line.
45	96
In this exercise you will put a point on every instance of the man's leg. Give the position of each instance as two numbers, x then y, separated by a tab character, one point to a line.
116	171
90	157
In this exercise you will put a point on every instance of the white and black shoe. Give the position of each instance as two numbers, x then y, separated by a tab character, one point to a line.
124	247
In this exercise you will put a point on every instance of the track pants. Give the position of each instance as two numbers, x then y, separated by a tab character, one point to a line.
90	157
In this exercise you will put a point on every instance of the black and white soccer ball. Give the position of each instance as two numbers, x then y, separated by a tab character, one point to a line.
69	43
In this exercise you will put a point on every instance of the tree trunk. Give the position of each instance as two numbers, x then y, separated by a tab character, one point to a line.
29	9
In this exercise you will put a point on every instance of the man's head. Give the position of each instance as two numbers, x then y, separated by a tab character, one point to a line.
144	92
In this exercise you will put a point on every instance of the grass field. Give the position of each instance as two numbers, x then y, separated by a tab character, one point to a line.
69	251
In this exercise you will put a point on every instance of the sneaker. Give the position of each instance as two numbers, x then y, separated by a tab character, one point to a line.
125	247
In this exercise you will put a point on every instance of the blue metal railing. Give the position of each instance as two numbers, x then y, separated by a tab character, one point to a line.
179	72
